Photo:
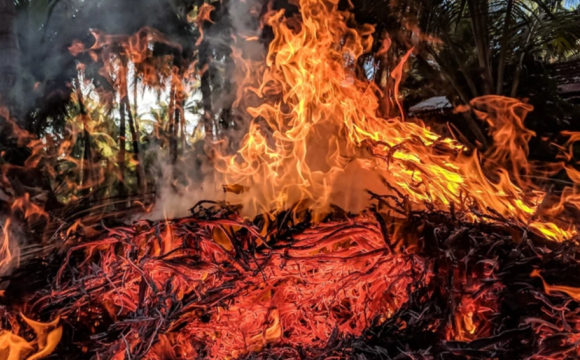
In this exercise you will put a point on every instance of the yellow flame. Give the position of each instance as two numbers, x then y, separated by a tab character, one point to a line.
316	133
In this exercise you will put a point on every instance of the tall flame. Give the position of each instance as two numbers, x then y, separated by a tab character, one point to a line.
315	133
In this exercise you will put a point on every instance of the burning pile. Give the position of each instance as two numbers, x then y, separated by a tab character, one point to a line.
216	286
454	256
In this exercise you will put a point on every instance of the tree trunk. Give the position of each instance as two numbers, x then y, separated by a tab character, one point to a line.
121	154
206	90
171	119
516	81
9	53
478	10
480	137
204	52
134	129
174	136
504	48
87	159
461	64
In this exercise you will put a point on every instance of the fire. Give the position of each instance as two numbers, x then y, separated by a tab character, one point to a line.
204	14
216	285
332	278
573	292
6	253
14	347
315	132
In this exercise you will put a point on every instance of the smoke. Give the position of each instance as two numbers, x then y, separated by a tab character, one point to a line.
48	69
45	32
179	186
346	188
193	178
245	20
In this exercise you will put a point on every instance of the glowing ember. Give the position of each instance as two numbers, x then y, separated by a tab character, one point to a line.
294	290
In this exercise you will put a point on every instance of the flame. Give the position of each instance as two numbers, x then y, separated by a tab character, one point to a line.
334	277
6	253
76	48
468	321
315	132
573	292
115	51
203	14
29	208
14	347
314	136
505	117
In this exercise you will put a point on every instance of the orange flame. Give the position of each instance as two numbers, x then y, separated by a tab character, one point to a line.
326	282
204	14
14	347
315	134
573	292
6	253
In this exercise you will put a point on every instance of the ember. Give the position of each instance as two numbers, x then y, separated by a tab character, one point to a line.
213	287
344	235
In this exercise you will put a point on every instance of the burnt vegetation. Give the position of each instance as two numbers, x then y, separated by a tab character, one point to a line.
114	114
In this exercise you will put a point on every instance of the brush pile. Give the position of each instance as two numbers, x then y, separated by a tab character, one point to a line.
215	286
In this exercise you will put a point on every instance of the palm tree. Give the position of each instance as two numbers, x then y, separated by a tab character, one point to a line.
471	48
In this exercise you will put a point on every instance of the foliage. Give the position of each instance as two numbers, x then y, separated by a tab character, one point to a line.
462	49
465	49
474	40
